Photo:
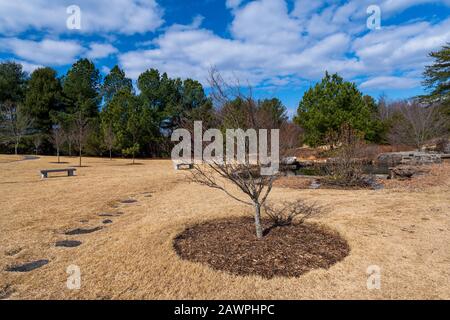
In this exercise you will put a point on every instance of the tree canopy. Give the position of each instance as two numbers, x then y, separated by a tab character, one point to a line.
12	82
81	87
437	77
331	103
114	82
43	98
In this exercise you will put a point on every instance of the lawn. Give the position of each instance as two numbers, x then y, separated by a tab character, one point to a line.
403	230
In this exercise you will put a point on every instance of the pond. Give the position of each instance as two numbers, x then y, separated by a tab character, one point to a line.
319	170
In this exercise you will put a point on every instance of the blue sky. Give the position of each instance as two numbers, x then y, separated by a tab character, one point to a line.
280	47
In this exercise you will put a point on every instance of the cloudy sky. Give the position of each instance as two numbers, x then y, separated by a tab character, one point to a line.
280	47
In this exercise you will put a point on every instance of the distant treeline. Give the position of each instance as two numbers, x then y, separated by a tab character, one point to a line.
81	112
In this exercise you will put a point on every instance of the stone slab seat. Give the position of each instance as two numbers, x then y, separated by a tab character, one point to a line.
70	172
183	165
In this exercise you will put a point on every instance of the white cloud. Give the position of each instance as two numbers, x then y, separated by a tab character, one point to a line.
100	50
45	52
52	52
266	22
26	66
100	16
271	46
105	70
268	44
401	48
391	83
232	4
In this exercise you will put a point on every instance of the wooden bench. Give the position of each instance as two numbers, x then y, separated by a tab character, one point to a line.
70	172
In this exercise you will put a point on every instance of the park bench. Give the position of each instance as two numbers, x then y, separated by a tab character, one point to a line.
180	166
45	172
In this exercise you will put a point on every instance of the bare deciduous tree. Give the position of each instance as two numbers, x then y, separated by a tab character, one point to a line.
70	134
57	137
245	177
16	123
81	130
346	169
417	123
109	138
37	141
290	136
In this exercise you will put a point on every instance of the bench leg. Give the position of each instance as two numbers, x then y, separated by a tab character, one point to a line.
43	175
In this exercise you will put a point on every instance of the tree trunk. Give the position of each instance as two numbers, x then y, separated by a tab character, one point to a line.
110	154
16	146
133	157
57	153
80	155
258	226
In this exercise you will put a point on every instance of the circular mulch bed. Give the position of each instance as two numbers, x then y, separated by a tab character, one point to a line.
290	251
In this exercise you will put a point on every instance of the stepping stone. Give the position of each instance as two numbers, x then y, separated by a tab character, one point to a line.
81	231
13	252
107	221
105	214
68	243
128	201
26	267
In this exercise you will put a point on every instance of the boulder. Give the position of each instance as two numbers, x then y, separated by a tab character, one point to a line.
404	172
289	160
408	158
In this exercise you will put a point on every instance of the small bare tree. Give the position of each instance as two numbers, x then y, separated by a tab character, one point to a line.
245	177
37	141
57	137
417	123
81	132
16	123
109	138
229	174
70	134
346	168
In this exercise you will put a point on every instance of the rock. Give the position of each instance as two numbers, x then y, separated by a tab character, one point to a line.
404	172
289	160
372	182
26	267
128	201
107	221
81	231
408	158
68	243
105	214
315	184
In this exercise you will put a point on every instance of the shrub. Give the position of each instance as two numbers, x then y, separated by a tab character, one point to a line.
284	213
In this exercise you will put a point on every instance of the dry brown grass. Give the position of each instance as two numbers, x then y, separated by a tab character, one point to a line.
405	232
9	158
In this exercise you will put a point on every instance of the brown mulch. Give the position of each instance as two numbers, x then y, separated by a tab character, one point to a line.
290	251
